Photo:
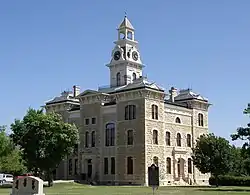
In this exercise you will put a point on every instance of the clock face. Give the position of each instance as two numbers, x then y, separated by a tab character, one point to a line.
117	55
135	55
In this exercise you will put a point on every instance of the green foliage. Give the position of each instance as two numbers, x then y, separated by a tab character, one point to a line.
10	156
13	163
226	180
44	139
212	154
5	145
243	133
237	168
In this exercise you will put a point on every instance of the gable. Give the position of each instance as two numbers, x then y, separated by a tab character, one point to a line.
88	92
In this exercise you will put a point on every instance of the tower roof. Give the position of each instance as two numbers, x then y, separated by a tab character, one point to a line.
126	24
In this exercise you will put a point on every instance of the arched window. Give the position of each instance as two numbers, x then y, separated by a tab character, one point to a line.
178	139
130	112
154	109
118	79
93	139
200	120
130	166
155	160
188	140
168	138
155	137
86	139
189	165
177	120
130	137
134	76
110	134
129	35
168	165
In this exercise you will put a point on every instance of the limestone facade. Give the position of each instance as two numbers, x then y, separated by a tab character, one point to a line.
132	124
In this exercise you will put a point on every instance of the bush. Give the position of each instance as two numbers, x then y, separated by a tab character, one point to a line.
226	180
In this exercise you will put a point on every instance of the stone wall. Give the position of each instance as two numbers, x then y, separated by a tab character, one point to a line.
137	150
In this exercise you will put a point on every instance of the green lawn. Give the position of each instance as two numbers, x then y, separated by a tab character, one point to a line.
77	189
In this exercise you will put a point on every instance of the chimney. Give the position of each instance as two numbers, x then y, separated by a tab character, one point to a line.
76	90
173	93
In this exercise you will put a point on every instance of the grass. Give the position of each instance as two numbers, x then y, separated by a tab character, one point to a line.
78	189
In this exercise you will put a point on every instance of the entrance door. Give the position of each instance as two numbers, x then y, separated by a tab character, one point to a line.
89	173
180	167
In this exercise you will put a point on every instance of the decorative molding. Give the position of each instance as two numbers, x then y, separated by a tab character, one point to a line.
175	111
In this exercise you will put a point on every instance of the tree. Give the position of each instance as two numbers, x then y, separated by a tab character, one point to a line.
212	154
10	156
45	140
237	168
243	133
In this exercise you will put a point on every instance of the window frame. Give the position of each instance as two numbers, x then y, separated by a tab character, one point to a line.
168	139
130	112
178	140
155	137
168	165
154	111
112	168
130	165
200	120
130	137
189	140
110	134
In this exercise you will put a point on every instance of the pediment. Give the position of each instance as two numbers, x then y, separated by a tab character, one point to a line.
88	92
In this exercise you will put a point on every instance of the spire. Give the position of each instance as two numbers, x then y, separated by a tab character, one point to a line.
126	23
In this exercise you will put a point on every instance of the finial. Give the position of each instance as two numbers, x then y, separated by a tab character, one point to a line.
125	14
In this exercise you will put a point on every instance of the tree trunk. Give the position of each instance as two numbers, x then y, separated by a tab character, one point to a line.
216	180
50	179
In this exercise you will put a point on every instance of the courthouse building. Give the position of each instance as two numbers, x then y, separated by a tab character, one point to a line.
132	123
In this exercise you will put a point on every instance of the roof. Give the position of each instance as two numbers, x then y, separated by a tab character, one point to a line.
126	24
181	104
189	94
138	83
65	96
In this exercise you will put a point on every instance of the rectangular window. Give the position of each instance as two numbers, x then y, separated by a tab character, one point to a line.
106	166
70	167
86	121
130	137
107	137
126	113
93	121
76	166
86	139
93	139
130	168
112	131
168	165
112	165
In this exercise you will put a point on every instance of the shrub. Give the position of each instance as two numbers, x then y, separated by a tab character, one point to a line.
226	180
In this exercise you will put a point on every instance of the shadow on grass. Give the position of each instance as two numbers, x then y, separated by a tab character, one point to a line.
225	189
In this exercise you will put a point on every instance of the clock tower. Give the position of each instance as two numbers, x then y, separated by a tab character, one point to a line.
126	65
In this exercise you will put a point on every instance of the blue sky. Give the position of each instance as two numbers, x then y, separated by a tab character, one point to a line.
48	46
